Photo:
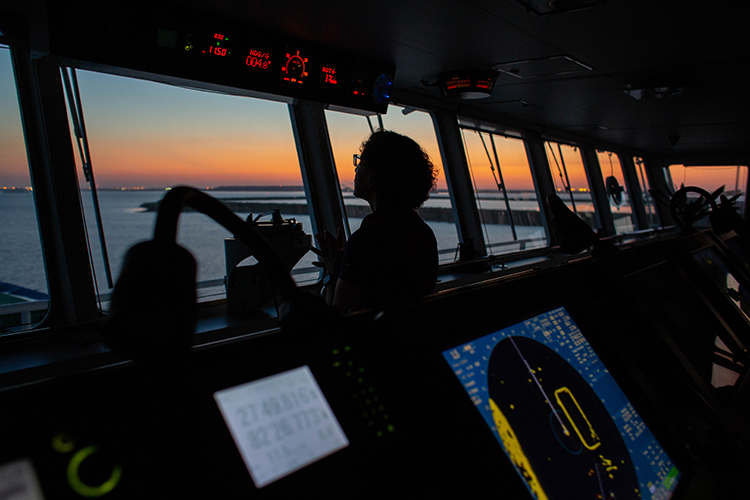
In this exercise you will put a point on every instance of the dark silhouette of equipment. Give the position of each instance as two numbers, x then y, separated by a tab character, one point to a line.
572	234
614	190
723	216
153	309
249	287
568	230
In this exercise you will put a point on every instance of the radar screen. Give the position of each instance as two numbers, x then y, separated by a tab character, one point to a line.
560	417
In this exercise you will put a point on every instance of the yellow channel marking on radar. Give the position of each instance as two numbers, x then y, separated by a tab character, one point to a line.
592	433
515	452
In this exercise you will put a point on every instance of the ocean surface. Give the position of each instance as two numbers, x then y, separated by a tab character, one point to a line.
126	223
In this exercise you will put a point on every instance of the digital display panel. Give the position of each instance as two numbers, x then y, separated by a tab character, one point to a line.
280	424
252	59
559	415
180	43
18	481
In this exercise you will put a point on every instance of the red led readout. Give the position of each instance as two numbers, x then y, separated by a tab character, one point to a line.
484	83
219	51
458	83
330	75
258	59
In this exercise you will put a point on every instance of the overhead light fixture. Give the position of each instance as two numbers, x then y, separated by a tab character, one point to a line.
542	8
545	67
655	92
469	84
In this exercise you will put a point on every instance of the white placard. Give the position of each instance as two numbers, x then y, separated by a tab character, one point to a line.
18	481
280	423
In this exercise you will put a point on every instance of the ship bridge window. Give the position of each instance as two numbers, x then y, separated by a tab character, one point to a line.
504	190
731	180
145	137
347	131
649	204
618	194
24	296
571	182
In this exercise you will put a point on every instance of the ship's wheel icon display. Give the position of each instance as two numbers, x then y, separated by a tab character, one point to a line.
295	68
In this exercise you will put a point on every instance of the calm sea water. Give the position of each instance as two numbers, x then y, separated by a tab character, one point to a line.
126	223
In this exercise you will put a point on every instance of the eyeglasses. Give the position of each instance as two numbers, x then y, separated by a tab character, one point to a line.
357	160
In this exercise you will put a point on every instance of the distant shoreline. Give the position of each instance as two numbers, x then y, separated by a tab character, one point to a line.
276	188
219	188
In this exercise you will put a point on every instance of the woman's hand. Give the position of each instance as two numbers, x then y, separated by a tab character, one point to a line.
331	252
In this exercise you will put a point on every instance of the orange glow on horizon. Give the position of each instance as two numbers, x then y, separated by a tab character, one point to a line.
511	154
210	162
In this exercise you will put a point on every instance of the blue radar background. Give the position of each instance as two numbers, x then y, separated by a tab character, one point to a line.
556	430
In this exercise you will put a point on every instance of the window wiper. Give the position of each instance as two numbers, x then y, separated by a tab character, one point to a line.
79	127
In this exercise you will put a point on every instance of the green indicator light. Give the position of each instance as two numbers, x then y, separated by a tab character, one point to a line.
348	348
348	374
375	398
351	363
379	434
371	389
385	417
337	364
370	423
359	380
217	44
368	402
87	490
390	428
336	351
62	443
361	370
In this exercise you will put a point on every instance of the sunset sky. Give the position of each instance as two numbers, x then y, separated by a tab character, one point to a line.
154	135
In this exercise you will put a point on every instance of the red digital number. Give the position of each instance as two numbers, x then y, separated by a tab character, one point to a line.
219	51
258	59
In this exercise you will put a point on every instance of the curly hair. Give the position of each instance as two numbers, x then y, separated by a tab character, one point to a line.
402	171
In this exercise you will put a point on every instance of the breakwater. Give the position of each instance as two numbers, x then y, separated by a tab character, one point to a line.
430	214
